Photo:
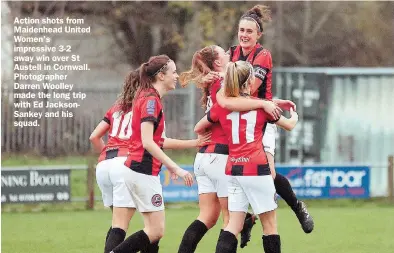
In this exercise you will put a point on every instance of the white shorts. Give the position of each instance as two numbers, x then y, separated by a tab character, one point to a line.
258	191
209	169
122	187
269	138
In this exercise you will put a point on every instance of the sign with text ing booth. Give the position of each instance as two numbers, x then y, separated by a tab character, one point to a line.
32	186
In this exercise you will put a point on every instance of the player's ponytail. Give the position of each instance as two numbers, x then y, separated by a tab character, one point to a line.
150	69
130	87
238	75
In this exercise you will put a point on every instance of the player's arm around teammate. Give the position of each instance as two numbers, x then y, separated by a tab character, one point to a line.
210	161
202	139
251	182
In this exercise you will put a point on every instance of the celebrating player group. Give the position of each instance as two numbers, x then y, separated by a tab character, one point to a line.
234	166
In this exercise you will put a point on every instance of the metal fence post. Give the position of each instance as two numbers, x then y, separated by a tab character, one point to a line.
391	178
90	185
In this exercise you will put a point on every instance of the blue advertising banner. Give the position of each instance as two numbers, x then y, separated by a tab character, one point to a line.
328	182
176	190
308	182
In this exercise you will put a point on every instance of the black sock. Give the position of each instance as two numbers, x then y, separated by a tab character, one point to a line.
221	231
109	231
271	243
227	243
283	188
192	236
152	248
115	237
134	243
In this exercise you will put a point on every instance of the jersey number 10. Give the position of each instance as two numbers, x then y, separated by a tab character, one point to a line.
250	118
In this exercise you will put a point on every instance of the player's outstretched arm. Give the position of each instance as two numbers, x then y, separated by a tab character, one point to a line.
288	124
96	138
151	146
182	144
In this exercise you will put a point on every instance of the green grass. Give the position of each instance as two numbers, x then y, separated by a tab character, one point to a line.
349	226
337	230
9	160
25	160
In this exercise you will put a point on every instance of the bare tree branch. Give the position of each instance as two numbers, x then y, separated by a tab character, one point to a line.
332	7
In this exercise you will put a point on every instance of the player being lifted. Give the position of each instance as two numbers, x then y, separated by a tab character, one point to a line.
250	30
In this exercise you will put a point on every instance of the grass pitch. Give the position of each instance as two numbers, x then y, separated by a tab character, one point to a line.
337	230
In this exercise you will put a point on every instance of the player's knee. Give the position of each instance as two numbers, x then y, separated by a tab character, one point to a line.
160	233
154	235
226	219
239	227
211	223
235	227
209	219
269	225
160	230
155	232
122	224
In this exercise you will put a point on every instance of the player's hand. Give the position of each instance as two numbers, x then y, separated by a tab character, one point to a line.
203	139
285	104
293	114
210	78
272	109
186	176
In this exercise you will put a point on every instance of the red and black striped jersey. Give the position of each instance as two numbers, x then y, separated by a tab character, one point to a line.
218	143
244	131
261	60
119	133
147	108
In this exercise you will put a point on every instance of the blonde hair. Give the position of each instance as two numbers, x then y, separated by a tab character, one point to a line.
237	77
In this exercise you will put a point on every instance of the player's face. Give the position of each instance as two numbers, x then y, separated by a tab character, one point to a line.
170	76
248	33
223	57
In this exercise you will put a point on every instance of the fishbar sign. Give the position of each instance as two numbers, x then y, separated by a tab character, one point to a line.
328	182
32	186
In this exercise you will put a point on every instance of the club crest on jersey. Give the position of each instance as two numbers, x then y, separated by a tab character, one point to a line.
157	200
260	72
150	107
